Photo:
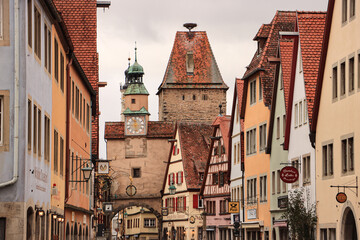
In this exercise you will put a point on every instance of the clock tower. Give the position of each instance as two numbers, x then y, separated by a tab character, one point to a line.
135	97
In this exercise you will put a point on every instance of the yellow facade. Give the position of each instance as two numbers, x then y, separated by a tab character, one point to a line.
257	164
338	122
140	223
58	127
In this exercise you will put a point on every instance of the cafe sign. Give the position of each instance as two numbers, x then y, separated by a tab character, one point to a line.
289	174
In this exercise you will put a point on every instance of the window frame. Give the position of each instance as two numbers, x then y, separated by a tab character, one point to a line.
37	32
335	89
252	90
351	74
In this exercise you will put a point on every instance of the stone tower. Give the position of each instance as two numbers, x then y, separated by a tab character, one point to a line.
192	88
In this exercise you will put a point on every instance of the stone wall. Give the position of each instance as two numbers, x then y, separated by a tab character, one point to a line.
191	105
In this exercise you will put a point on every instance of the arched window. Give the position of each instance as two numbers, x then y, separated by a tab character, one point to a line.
67	232
29	223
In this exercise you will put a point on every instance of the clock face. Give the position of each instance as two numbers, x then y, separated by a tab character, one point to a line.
135	125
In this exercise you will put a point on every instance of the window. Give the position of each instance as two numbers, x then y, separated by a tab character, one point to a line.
77	103
283	186
179	177
37	35
327	155
295	164
305	111
62	71
253	92
194	97
251	141
171	179
238	152
80	111
334	83
342	79
260	90
344	11
56	151
56	59
306	170
300	113
347	154
352	8
46	138
180	233
189	62
87	118
133	101
170	204
39	132
251	191
35	128
284	125
263	188
181	204
262	136
278	182
29	15
296	115
47	47
205	97
215	178
273	182
351	75
221	179
72	98
149	222
61	156
29	123
183	97
358	71
235	154
277	127
210	208
136	173
223	206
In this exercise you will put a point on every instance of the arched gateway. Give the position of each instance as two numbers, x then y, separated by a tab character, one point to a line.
348	228
138	149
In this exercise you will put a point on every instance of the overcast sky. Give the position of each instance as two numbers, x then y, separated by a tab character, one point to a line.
230	26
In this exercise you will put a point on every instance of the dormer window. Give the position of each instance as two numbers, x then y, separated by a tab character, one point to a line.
190	62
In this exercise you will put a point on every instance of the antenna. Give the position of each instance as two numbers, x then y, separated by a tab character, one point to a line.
190	26
135	52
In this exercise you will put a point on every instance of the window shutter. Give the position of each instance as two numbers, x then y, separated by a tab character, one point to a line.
174	147
166	202
195	201
173	204
173	178
182	177
176	205
178	150
169	179
177	175
184	203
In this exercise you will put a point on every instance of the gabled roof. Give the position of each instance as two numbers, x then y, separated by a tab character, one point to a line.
206	72
282	21
311	32
116	130
320	76
222	122
194	143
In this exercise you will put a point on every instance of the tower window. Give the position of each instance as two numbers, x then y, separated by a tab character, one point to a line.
136	172
133	101
190	62
205	97
183	97
194	97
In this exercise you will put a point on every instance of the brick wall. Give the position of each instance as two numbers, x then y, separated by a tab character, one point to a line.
179	104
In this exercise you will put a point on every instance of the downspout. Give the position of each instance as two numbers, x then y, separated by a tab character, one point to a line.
68	95
16	96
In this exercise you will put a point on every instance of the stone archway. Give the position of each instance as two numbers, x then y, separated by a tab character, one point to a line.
348	227
119	207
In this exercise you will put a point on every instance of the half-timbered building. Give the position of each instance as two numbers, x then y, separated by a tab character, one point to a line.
215	188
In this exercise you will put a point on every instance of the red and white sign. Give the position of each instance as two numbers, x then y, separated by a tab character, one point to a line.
289	174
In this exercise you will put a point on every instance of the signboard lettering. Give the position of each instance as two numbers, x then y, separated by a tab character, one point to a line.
233	207
289	174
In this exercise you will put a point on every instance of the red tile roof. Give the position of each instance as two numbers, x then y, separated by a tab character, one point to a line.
286	57
282	21
263	31
223	122
194	143
206	72
116	130
311	29
80	18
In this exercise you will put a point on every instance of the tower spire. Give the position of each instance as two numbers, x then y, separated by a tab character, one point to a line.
135	52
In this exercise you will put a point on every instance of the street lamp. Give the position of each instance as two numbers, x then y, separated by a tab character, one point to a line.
172	190
87	172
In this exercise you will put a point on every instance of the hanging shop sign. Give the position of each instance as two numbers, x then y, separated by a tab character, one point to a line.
341	197
289	174
233	207
103	167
